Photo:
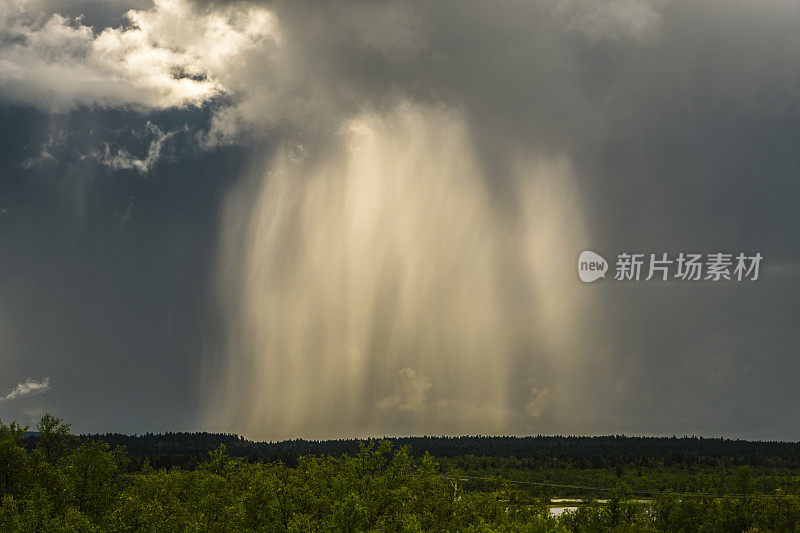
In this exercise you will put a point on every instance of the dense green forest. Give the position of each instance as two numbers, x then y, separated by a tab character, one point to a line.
51	480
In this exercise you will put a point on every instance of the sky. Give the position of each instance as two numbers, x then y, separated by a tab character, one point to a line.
352	218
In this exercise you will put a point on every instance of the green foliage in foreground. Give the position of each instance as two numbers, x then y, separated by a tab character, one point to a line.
70	484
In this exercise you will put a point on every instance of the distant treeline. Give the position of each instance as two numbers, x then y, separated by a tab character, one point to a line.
188	449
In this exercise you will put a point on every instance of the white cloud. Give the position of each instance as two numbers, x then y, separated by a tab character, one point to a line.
27	388
169	56
121	159
177	54
410	392
538	402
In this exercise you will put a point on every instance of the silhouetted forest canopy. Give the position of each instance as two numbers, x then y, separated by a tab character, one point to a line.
52	480
579	452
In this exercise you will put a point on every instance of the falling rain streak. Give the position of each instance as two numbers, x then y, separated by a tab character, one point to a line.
382	288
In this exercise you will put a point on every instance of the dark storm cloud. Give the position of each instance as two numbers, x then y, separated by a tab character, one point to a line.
104	272
681	120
